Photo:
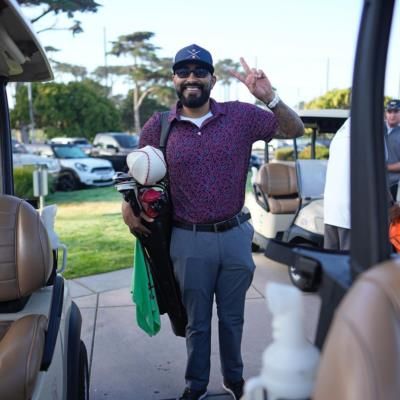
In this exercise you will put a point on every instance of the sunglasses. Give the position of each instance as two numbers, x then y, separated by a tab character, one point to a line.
198	72
392	111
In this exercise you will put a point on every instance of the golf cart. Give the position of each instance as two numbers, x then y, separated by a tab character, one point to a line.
360	290
286	197
42	355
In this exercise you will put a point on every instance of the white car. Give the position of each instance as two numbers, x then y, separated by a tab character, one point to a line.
21	157
77	169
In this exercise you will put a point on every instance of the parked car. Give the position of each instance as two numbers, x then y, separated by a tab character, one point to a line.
77	169
114	146
81	142
21	156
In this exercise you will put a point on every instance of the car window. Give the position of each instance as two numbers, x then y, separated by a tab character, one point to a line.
68	152
18	147
127	140
80	142
106	140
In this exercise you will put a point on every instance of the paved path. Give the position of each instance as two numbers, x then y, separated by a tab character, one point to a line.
125	363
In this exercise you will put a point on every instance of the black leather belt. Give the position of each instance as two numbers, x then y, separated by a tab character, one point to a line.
216	227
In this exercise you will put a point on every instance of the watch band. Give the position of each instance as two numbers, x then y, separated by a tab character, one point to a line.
273	103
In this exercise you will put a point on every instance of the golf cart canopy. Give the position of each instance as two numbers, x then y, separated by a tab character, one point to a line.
22	58
325	121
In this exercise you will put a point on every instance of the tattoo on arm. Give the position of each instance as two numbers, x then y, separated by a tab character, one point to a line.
290	124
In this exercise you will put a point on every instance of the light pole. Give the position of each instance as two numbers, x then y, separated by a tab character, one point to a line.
31	116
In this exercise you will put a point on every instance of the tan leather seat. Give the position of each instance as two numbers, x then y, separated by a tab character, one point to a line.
26	263
278	183
361	356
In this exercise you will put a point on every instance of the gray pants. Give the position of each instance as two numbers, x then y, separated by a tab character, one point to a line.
336	238
208	263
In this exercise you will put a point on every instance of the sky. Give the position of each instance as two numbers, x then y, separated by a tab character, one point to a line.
305	47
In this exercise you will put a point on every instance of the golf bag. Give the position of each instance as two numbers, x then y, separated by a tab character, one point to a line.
154	201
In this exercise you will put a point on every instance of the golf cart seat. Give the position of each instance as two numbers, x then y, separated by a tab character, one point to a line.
275	188
361	356
26	263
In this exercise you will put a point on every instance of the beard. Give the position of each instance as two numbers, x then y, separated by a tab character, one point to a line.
193	100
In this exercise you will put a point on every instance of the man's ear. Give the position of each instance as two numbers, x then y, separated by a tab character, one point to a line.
213	81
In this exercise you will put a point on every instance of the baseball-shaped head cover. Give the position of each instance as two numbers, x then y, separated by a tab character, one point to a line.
147	165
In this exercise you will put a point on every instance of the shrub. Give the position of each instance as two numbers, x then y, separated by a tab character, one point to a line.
284	154
321	153
23	182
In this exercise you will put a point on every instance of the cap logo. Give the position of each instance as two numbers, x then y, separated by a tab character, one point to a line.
194	53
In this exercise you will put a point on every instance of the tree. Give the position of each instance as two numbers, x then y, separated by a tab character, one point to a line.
75	109
109	73
336	98
68	7
148	73
149	106
77	71
222	71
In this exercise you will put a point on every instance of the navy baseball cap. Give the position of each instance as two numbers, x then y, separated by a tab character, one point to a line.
193	54
393	105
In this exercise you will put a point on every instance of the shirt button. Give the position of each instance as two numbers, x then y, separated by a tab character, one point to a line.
199	133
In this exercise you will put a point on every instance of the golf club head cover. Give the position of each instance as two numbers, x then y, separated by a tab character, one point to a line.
147	165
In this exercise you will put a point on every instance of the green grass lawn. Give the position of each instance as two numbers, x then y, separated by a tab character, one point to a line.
89	223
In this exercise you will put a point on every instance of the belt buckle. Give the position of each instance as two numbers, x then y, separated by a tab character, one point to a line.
222	226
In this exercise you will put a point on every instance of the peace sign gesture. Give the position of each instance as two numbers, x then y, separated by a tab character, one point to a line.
256	81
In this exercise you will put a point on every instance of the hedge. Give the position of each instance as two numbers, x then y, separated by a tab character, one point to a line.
287	153
23	182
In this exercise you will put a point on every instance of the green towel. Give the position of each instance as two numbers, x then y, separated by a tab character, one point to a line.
144	295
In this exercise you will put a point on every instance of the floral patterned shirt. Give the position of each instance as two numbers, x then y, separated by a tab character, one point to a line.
208	166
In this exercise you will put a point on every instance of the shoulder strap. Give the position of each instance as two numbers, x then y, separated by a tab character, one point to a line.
165	128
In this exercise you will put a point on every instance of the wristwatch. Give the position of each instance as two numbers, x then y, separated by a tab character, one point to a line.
273	103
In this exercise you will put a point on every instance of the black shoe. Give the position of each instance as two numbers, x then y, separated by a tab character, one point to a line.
235	389
191	394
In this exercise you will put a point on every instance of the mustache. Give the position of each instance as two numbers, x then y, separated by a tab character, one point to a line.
186	85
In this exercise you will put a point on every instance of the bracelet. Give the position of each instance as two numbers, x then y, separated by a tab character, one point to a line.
273	103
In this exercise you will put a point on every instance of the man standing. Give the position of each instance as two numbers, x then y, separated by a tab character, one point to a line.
392	117
337	192
207	154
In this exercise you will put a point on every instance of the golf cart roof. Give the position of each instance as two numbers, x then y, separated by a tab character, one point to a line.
22	58
326	121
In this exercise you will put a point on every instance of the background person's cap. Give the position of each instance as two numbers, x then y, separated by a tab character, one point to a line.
193	54
393	105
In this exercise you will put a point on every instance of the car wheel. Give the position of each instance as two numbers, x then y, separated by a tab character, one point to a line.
83	390
67	182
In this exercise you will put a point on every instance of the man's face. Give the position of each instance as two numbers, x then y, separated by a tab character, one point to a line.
193	85
393	117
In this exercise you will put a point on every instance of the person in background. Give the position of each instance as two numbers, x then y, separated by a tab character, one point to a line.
207	154
392	119
337	192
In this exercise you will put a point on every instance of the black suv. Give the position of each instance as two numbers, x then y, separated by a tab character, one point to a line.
114	146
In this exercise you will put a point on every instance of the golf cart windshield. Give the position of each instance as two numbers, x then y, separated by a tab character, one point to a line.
321	126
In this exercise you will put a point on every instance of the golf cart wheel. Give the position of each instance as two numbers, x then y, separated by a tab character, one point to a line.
67	182
304	283
255	247
83	390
